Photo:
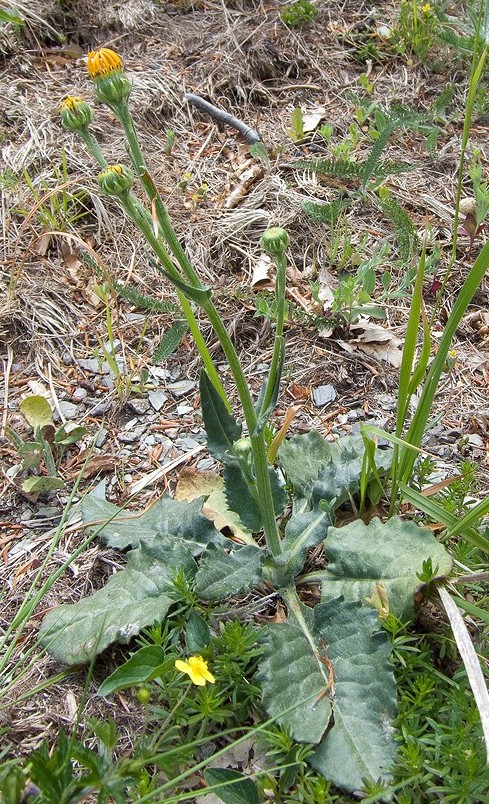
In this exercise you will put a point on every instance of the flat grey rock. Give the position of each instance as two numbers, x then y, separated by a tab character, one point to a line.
157	399
323	395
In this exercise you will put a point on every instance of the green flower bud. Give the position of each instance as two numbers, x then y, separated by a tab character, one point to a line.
112	89
115	180
75	113
143	695
275	241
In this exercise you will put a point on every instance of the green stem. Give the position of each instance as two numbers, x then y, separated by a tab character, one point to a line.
125	118
137	159
264	497
280	279
93	147
143	221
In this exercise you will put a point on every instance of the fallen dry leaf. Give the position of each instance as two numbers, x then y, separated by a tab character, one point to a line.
193	484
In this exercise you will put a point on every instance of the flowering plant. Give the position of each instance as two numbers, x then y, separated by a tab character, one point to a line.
326	672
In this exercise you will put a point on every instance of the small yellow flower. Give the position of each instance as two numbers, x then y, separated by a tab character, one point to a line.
103	62
426	8
196	668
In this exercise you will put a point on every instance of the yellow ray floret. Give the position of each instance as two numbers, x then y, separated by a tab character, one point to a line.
103	62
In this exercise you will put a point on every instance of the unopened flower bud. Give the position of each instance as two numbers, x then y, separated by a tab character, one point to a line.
75	113
106	69
115	180
275	241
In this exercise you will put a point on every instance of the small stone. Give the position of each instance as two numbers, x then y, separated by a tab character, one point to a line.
107	381
79	394
68	409
205	464
160	373
101	437
136	317
182	410
474	440
149	440
45	511
157	399
94	366
181	388
324	394
100	409
186	443
112	347
139	406
129	438
27	515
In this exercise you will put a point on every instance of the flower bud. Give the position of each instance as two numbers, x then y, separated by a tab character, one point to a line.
275	241
103	62
143	695
75	113
115	180
106	69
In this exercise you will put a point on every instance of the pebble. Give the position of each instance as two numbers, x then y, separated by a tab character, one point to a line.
157	399
186	443
324	394
160	373
139	406
205	464
68	409
181	387
101	437
183	409
100	409
112	347
79	394
94	366
129	438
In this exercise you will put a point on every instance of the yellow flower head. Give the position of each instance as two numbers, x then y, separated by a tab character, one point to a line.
196	668
103	62
426	8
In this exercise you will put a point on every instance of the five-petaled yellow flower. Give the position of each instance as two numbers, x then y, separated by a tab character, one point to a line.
103	62
426	8
196	668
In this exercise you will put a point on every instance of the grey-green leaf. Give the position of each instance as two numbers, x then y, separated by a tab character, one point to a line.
131	600
323	470
221	427
291	672
391	553
222	574
168	520
360	745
